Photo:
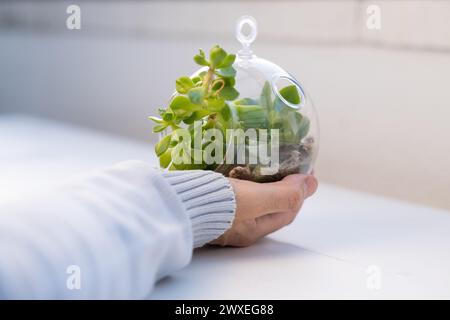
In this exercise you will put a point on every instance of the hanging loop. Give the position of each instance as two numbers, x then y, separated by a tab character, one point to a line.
246	39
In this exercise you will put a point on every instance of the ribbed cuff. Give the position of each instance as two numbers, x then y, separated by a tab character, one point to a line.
209	202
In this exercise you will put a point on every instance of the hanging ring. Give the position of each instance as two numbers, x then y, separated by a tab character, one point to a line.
246	40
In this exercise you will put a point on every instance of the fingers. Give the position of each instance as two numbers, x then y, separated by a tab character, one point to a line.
273	221
288	194
309	183
247	232
264	208
258	199
290	205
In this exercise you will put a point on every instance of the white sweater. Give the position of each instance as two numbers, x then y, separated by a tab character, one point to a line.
111	234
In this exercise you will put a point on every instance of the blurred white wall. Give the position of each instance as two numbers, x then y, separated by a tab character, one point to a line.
382	95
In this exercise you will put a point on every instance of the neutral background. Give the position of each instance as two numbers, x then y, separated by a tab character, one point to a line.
382	95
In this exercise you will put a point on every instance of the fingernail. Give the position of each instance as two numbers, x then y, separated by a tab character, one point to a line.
309	186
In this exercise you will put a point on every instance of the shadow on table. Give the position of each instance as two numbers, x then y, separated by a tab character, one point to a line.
209	257
263	249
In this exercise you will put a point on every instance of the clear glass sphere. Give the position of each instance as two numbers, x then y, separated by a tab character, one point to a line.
286	107
273	112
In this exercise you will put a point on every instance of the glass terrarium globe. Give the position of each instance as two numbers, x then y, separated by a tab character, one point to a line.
273	111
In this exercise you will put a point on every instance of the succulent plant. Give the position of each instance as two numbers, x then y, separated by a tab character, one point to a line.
209	100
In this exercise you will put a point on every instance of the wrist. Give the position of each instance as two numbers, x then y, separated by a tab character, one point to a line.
208	200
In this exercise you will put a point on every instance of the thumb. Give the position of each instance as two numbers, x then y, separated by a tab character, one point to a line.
286	195
308	183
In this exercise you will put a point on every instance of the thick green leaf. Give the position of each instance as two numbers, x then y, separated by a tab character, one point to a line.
226	113
215	104
180	102
196	79
190	119
228	72
197	115
290	93
162	145
166	158
182	106
228	61
252	116
160	127
184	84
246	101
229	81
156	119
266	96
200	58
161	111
304	128
217	56
229	93
183	114
196	95
168	116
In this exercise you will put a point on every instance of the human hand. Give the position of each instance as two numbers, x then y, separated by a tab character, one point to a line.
262	208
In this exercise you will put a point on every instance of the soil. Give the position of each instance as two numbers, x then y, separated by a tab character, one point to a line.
293	159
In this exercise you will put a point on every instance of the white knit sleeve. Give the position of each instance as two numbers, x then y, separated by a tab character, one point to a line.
110	234
208	200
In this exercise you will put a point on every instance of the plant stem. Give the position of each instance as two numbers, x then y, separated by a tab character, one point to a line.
208	79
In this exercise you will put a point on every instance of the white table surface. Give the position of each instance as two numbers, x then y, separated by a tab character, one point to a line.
326	253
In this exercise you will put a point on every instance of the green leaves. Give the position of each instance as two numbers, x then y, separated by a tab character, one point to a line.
197	95
156	119
226	113
228	72
252	116
201	102
216	56
290	93
203	95
182	106
228	93
215	104
197	115
168	116
246	101
303	128
200	58
227	61
184	84
165	158
162	145
179	102
266	96
159	127
222	62
162	124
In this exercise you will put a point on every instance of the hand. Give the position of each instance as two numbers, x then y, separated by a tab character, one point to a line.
262	208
